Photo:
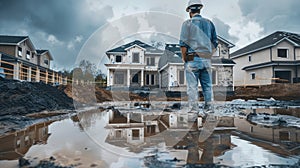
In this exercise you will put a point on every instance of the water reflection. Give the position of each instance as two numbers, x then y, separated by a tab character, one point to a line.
16	144
156	139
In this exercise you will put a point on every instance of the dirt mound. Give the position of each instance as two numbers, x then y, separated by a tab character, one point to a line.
277	91
21	98
90	94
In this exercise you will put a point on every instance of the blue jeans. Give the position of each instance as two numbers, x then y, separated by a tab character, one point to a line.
199	69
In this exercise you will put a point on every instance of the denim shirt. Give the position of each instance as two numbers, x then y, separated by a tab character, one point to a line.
198	35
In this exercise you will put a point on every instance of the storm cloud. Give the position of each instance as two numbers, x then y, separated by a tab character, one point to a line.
60	26
272	15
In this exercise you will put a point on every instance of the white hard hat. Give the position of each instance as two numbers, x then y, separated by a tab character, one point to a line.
194	2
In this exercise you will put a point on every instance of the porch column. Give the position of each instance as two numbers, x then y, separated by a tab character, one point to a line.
108	77
53	77
296	81
159	80
46	76
37	75
142	77
29	74
128	118
128	77
57	78
16	71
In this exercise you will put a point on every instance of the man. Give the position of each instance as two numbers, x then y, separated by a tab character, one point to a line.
198	41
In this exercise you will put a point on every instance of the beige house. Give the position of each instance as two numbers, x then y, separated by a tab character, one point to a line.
272	59
171	68
20	60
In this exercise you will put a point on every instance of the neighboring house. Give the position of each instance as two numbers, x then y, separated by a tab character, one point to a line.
171	68
272	59
21	61
133	65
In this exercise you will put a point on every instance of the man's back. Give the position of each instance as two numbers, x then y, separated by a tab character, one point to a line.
199	35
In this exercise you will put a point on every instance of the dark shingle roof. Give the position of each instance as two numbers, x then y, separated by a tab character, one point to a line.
41	51
148	48
268	41
4	39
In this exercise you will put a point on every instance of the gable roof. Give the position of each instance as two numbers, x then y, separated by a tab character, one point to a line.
269	41
229	44
123	48
14	40
42	52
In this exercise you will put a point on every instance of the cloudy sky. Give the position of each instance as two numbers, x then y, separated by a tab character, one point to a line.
64	26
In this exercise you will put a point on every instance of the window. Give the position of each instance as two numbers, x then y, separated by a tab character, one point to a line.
150	79
151	61
283	53
181	77
46	62
135	134
284	136
136	58
253	76
249	58
27	54
135	78
118	58
19	51
119	78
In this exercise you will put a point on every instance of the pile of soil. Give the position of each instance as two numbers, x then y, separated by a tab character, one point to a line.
276	91
21	98
89	94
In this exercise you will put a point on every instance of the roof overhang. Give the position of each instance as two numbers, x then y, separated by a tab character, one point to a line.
273	63
135	45
266	47
230	45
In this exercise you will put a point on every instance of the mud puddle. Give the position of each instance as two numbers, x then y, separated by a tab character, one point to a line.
126	135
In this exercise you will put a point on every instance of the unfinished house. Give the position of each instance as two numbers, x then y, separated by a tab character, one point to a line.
133	65
20	60
171	68
272	59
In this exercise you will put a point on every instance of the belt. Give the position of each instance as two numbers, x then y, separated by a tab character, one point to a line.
191	56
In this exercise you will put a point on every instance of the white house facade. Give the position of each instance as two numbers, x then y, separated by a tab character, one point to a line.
137	64
133	65
272	59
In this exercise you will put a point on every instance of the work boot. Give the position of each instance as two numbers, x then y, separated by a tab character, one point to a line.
208	108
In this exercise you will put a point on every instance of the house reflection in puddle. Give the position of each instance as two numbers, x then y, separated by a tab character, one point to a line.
281	140
140	131
16	144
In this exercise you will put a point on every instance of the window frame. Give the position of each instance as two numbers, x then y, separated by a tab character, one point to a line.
116	82
20	51
253	76
28	54
137	54
286	52
118	56
46	61
180	73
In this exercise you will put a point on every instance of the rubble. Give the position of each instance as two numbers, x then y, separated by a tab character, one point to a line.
21	98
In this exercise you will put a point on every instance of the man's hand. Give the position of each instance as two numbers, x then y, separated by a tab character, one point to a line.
183	53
